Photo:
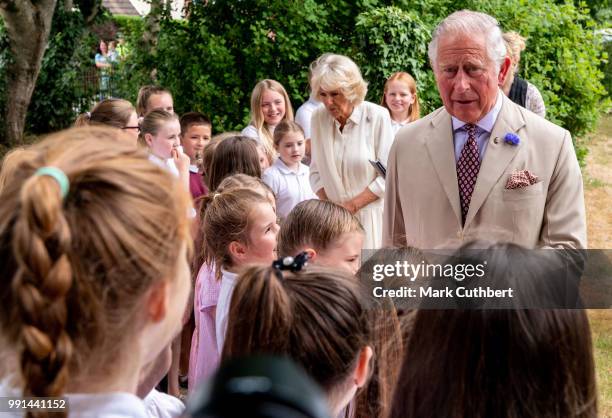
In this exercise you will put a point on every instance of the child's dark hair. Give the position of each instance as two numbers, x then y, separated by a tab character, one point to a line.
193	118
233	155
144	94
524	362
315	223
316	317
283	128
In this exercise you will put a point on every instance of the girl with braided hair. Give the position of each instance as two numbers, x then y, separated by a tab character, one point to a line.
94	241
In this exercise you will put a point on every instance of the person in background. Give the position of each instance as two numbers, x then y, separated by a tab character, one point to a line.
304	113
196	131
400	97
520	91
346	133
153	98
104	66
118	113
289	177
270	105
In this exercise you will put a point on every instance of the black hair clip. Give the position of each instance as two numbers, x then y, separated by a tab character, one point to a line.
293	264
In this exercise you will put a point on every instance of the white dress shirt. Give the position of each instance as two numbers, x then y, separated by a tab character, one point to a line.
483	130
303	115
289	187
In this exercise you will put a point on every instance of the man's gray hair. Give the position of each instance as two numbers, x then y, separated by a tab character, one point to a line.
468	22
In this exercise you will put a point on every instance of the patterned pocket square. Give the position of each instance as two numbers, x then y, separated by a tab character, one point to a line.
520	179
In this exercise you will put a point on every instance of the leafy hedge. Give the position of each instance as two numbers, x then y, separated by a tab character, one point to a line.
212	60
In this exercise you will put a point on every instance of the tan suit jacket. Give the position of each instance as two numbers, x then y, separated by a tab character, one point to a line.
422	196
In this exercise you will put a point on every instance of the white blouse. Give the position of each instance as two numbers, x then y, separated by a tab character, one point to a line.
228	283
289	187
340	160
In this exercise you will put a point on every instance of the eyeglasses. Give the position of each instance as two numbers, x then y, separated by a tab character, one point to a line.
132	127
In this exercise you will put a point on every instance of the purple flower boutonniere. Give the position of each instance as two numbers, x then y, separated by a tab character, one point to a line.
512	139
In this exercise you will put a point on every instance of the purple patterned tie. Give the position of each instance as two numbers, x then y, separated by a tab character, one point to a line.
467	169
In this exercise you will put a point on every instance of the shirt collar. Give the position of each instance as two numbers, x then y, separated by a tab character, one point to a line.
356	115
487	122
280	164
194	168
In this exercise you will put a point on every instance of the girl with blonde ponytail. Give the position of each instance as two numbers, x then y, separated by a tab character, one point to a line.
94	241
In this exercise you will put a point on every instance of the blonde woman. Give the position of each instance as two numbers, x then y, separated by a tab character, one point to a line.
346	133
270	105
520	91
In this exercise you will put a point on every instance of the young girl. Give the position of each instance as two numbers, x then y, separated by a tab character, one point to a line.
161	132
270	105
288	177
153	98
204	357
316	317
113	112
329	233
196	131
95	242
234	154
400	97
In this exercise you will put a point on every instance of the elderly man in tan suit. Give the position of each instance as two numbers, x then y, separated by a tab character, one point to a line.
481	167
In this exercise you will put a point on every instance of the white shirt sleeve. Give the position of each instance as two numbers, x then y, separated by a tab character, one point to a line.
383	139
162	405
251	132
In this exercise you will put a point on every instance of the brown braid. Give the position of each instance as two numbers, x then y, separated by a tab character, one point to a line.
44	276
75	271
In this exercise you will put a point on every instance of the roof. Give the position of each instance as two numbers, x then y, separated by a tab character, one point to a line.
120	7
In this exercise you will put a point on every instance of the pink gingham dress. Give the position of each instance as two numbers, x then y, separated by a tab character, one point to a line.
204	356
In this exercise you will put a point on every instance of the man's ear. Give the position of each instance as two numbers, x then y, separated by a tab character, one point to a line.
157	301
362	371
312	254
503	71
237	250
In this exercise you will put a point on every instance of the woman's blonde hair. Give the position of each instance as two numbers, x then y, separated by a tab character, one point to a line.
414	110
515	43
111	112
338	72
77	264
257	116
315	223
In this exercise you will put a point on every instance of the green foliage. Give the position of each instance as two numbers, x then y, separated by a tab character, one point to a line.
562	57
59	94
212	60
391	40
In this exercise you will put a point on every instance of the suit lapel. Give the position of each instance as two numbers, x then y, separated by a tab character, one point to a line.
442	154
497	156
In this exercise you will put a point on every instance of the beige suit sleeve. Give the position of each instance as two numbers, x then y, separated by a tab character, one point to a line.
384	139
564	223
394	230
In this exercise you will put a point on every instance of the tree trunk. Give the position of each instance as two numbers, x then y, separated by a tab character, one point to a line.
28	24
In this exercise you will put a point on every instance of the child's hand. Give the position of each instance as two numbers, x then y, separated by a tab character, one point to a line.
181	160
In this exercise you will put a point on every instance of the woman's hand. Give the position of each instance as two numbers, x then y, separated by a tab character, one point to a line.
360	201
321	194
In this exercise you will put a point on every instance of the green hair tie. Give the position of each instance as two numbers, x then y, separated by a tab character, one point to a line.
58	175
